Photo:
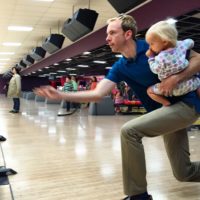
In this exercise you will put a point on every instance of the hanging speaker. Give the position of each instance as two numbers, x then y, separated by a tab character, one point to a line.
123	6
21	64
81	23
53	43
28	60
38	53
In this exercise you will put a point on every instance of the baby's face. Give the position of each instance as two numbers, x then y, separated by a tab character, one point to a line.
156	44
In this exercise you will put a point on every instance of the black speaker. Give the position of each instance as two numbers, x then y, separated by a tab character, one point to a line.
122	6
38	53
28	60
21	64
53	43
81	23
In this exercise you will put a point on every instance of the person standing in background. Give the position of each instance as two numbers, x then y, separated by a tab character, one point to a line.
14	90
75	89
74	83
68	87
93	83
92	86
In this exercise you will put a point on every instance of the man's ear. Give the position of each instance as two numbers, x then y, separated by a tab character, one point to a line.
128	34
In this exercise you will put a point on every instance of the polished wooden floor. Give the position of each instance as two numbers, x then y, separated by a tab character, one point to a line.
78	156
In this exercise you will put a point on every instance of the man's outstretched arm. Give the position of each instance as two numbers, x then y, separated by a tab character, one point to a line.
103	88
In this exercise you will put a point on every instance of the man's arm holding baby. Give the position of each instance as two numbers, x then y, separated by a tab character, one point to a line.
171	82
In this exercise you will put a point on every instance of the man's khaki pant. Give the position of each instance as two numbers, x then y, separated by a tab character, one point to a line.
170	122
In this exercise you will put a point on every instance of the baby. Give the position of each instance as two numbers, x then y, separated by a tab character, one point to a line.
167	56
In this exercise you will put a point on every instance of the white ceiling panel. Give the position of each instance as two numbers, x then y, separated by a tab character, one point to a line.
45	18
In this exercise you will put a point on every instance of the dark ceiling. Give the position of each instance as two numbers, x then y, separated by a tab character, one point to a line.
77	64
188	26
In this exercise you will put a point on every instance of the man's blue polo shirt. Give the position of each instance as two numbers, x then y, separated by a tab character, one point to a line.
137	74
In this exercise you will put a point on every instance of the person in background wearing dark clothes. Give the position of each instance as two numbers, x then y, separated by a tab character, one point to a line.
5	88
133	68
14	90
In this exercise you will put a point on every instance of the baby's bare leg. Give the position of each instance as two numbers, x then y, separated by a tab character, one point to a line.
156	97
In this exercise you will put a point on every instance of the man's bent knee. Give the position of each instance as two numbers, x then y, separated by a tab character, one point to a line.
182	177
130	133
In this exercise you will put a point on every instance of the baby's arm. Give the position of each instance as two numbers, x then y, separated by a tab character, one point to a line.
154	65
189	43
150	53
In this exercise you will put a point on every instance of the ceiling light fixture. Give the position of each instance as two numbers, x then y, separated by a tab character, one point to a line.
16	44
83	66
72	74
4	59
70	69
86	53
61	71
99	61
45	0
20	28
7	53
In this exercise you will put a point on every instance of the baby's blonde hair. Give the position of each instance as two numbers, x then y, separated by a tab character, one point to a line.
165	30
